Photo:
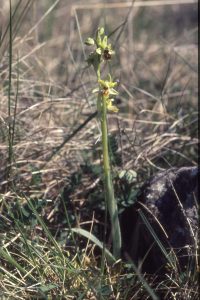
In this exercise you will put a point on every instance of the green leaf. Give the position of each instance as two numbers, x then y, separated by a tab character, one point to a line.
94	60
98	38
101	30
105	290
104	42
48	287
132	196
129	175
25	212
96	241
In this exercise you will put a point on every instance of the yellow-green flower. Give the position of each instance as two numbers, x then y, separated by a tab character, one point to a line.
103	50
106	87
110	106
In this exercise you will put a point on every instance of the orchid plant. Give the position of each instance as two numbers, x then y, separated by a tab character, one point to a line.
106	92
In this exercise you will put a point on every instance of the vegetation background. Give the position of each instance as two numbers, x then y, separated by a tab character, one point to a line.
50	174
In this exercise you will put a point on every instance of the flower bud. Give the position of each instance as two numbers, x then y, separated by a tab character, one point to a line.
89	41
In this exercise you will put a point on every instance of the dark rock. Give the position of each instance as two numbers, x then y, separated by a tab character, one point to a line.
168	201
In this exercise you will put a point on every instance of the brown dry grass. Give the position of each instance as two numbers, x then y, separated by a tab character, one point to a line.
158	88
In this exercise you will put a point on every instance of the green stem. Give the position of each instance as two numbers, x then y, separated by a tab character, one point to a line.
10	150
98	72
108	185
109	191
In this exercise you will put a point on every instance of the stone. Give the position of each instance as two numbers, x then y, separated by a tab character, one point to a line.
168	205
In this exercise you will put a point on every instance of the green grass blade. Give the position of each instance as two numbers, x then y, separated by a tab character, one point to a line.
157	240
144	283
13	262
96	241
